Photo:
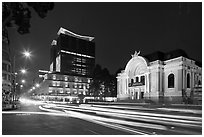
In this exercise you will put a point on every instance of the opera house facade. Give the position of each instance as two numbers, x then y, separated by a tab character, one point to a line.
160	77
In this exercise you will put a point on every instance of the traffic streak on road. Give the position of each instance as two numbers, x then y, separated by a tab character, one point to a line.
101	119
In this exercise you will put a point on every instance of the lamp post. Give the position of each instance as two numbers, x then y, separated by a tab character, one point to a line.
26	54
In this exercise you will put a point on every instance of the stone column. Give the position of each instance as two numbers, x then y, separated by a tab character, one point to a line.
145	87
148	82
138	94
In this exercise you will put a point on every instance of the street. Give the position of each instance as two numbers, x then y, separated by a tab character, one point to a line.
34	118
18	123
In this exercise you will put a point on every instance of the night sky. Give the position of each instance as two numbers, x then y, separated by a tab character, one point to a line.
119	29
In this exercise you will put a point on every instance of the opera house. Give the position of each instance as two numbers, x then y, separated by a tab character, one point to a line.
161	77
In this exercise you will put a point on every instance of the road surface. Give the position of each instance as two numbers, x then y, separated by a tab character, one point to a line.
59	119
16	123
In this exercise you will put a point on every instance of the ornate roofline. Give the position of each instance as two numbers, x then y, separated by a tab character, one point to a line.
67	32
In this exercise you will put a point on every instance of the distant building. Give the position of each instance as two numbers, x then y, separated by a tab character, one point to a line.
160	77
72	60
7	84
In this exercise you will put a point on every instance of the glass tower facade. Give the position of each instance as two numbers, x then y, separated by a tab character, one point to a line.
72	54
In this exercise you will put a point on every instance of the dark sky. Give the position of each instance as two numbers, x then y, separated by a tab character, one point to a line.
119	29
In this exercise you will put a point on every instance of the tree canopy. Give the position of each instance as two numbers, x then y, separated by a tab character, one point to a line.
19	14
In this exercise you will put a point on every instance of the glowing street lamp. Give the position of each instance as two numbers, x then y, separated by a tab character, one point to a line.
23	71
23	81
37	85
33	88
27	54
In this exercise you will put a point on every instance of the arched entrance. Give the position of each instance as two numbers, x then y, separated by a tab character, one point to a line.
137	77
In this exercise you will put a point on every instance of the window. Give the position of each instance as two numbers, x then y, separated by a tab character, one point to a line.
4	76
199	82
53	84
142	80
171	81
137	79
4	67
132	81
188	80
54	77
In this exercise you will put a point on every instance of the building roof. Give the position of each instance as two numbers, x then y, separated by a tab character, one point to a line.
174	54
158	55
67	32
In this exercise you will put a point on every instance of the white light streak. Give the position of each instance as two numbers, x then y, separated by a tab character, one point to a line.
77	54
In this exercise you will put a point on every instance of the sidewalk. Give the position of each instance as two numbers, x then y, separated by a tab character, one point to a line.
9	106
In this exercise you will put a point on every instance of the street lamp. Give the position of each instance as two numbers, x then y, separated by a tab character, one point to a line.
37	85
23	81
27	54
23	71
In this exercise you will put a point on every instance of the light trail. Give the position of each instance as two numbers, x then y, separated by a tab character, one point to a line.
184	119
117	121
142	108
168	121
145	113
135	113
119	127
35	113
122	107
182	110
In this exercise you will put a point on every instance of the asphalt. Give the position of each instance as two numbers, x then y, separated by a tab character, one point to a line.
45	124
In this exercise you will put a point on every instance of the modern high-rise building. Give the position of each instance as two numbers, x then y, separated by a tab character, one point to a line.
72	54
72	60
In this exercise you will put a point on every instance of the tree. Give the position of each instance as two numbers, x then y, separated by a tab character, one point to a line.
19	14
103	84
96	81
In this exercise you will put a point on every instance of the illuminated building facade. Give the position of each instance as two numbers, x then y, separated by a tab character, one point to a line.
6	68
72	60
72	54
61	87
159	77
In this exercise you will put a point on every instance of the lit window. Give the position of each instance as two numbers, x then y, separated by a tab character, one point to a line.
171	81
53	84
65	78
54	77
